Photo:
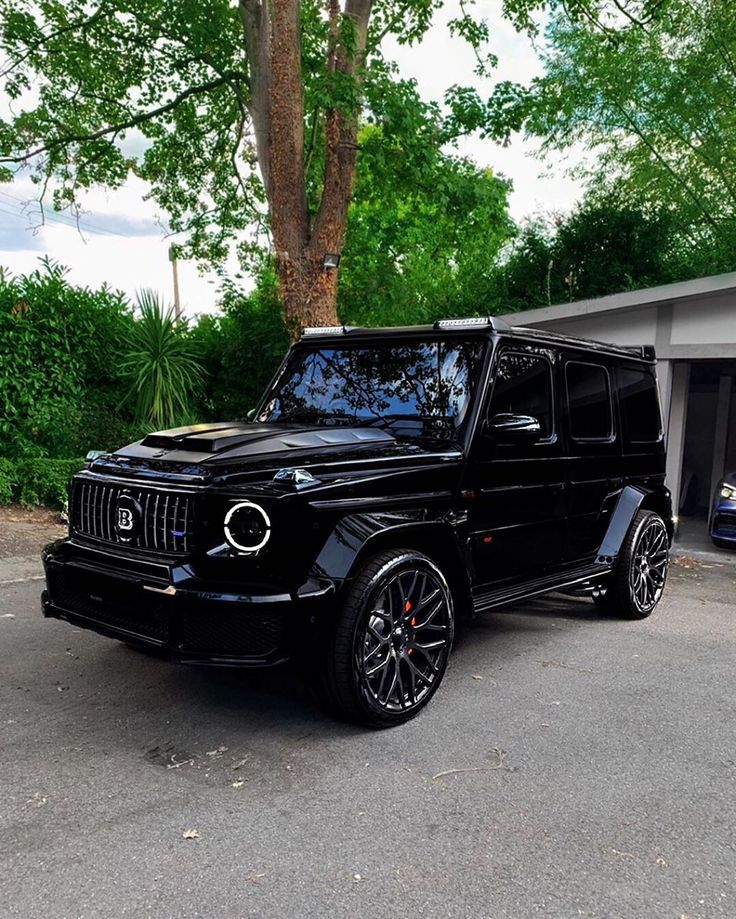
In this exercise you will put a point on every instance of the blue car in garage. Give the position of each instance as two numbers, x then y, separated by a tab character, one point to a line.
723	514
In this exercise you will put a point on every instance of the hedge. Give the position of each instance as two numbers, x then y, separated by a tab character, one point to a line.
37	481
7	481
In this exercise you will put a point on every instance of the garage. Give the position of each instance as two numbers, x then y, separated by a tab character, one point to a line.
692	325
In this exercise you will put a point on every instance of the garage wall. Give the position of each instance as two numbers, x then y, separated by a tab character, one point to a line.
711	320
624	327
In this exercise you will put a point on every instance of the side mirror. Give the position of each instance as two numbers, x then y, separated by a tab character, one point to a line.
509	427
251	415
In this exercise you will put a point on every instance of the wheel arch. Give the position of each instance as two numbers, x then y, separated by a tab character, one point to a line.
629	503
357	538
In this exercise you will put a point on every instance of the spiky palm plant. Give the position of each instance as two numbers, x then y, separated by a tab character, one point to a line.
161	365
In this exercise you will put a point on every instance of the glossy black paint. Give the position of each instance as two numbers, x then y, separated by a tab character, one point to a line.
503	518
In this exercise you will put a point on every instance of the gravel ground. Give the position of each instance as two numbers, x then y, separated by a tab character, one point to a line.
571	766
25	531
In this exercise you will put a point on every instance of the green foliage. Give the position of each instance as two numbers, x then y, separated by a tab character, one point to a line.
424	232
648	88
7	481
241	349
161	90
45	481
160	365
602	248
59	367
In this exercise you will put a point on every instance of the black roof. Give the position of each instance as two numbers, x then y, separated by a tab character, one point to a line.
494	327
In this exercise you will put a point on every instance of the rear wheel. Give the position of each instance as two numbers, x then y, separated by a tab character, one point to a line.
639	577
391	643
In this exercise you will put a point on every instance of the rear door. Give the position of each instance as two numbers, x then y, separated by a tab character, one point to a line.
593	450
517	510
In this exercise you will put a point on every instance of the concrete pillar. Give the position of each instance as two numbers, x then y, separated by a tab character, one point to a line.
676	420
720	440
664	379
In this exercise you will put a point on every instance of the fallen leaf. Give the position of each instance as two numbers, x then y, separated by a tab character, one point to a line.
218	752
357	877
661	862
239	783
477	676
499	764
190	834
241	762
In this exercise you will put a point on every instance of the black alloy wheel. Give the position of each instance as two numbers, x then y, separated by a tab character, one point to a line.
392	640
641	570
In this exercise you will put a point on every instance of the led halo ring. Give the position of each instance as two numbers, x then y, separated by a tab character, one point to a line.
228	535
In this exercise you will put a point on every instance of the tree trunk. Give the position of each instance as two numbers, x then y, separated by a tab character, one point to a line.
308	291
273	44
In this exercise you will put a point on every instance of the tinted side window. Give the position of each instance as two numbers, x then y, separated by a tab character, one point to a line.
523	386
639	405
589	402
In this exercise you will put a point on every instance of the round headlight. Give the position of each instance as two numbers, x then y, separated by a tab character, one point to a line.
247	527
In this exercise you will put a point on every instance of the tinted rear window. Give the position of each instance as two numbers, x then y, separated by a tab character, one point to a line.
639	405
589	401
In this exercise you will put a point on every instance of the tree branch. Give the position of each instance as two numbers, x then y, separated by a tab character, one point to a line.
72	27
341	132
131	122
254	16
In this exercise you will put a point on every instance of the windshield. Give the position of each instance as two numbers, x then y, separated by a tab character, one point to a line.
425	386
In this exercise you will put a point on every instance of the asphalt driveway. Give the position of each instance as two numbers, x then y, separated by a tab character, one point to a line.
571	766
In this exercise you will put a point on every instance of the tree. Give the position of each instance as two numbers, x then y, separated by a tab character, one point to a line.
647	86
603	247
198	97
424	233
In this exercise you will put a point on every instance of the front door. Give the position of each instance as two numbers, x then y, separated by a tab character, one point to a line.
515	487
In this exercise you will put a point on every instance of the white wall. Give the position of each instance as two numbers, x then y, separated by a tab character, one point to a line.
624	327
711	320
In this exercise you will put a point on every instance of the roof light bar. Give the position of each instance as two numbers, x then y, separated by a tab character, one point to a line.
324	330
492	321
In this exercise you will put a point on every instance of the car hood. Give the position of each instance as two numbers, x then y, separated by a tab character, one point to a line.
205	450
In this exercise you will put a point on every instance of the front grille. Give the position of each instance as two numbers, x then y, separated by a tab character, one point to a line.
232	631
148	621
161	520
726	523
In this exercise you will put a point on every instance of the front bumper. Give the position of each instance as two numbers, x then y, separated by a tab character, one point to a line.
173	611
723	521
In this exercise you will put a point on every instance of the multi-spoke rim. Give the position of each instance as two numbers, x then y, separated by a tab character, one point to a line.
406	639
649	565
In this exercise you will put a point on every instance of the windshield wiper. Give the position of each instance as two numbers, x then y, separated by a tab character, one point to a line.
314	415
392	418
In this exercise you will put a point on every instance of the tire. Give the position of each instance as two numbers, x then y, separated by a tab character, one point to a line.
723	543
636	585
380	670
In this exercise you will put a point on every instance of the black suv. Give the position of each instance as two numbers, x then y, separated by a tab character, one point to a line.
390	483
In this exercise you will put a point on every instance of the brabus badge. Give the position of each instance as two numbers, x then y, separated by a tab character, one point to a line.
128	516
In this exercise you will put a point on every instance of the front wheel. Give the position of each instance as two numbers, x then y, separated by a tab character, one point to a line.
392	640
638	580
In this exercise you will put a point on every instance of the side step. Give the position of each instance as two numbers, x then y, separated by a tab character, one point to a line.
489	598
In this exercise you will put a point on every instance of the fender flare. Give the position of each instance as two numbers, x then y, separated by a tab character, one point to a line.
357	536
627	506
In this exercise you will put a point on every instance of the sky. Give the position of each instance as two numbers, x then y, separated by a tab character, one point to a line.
120	238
